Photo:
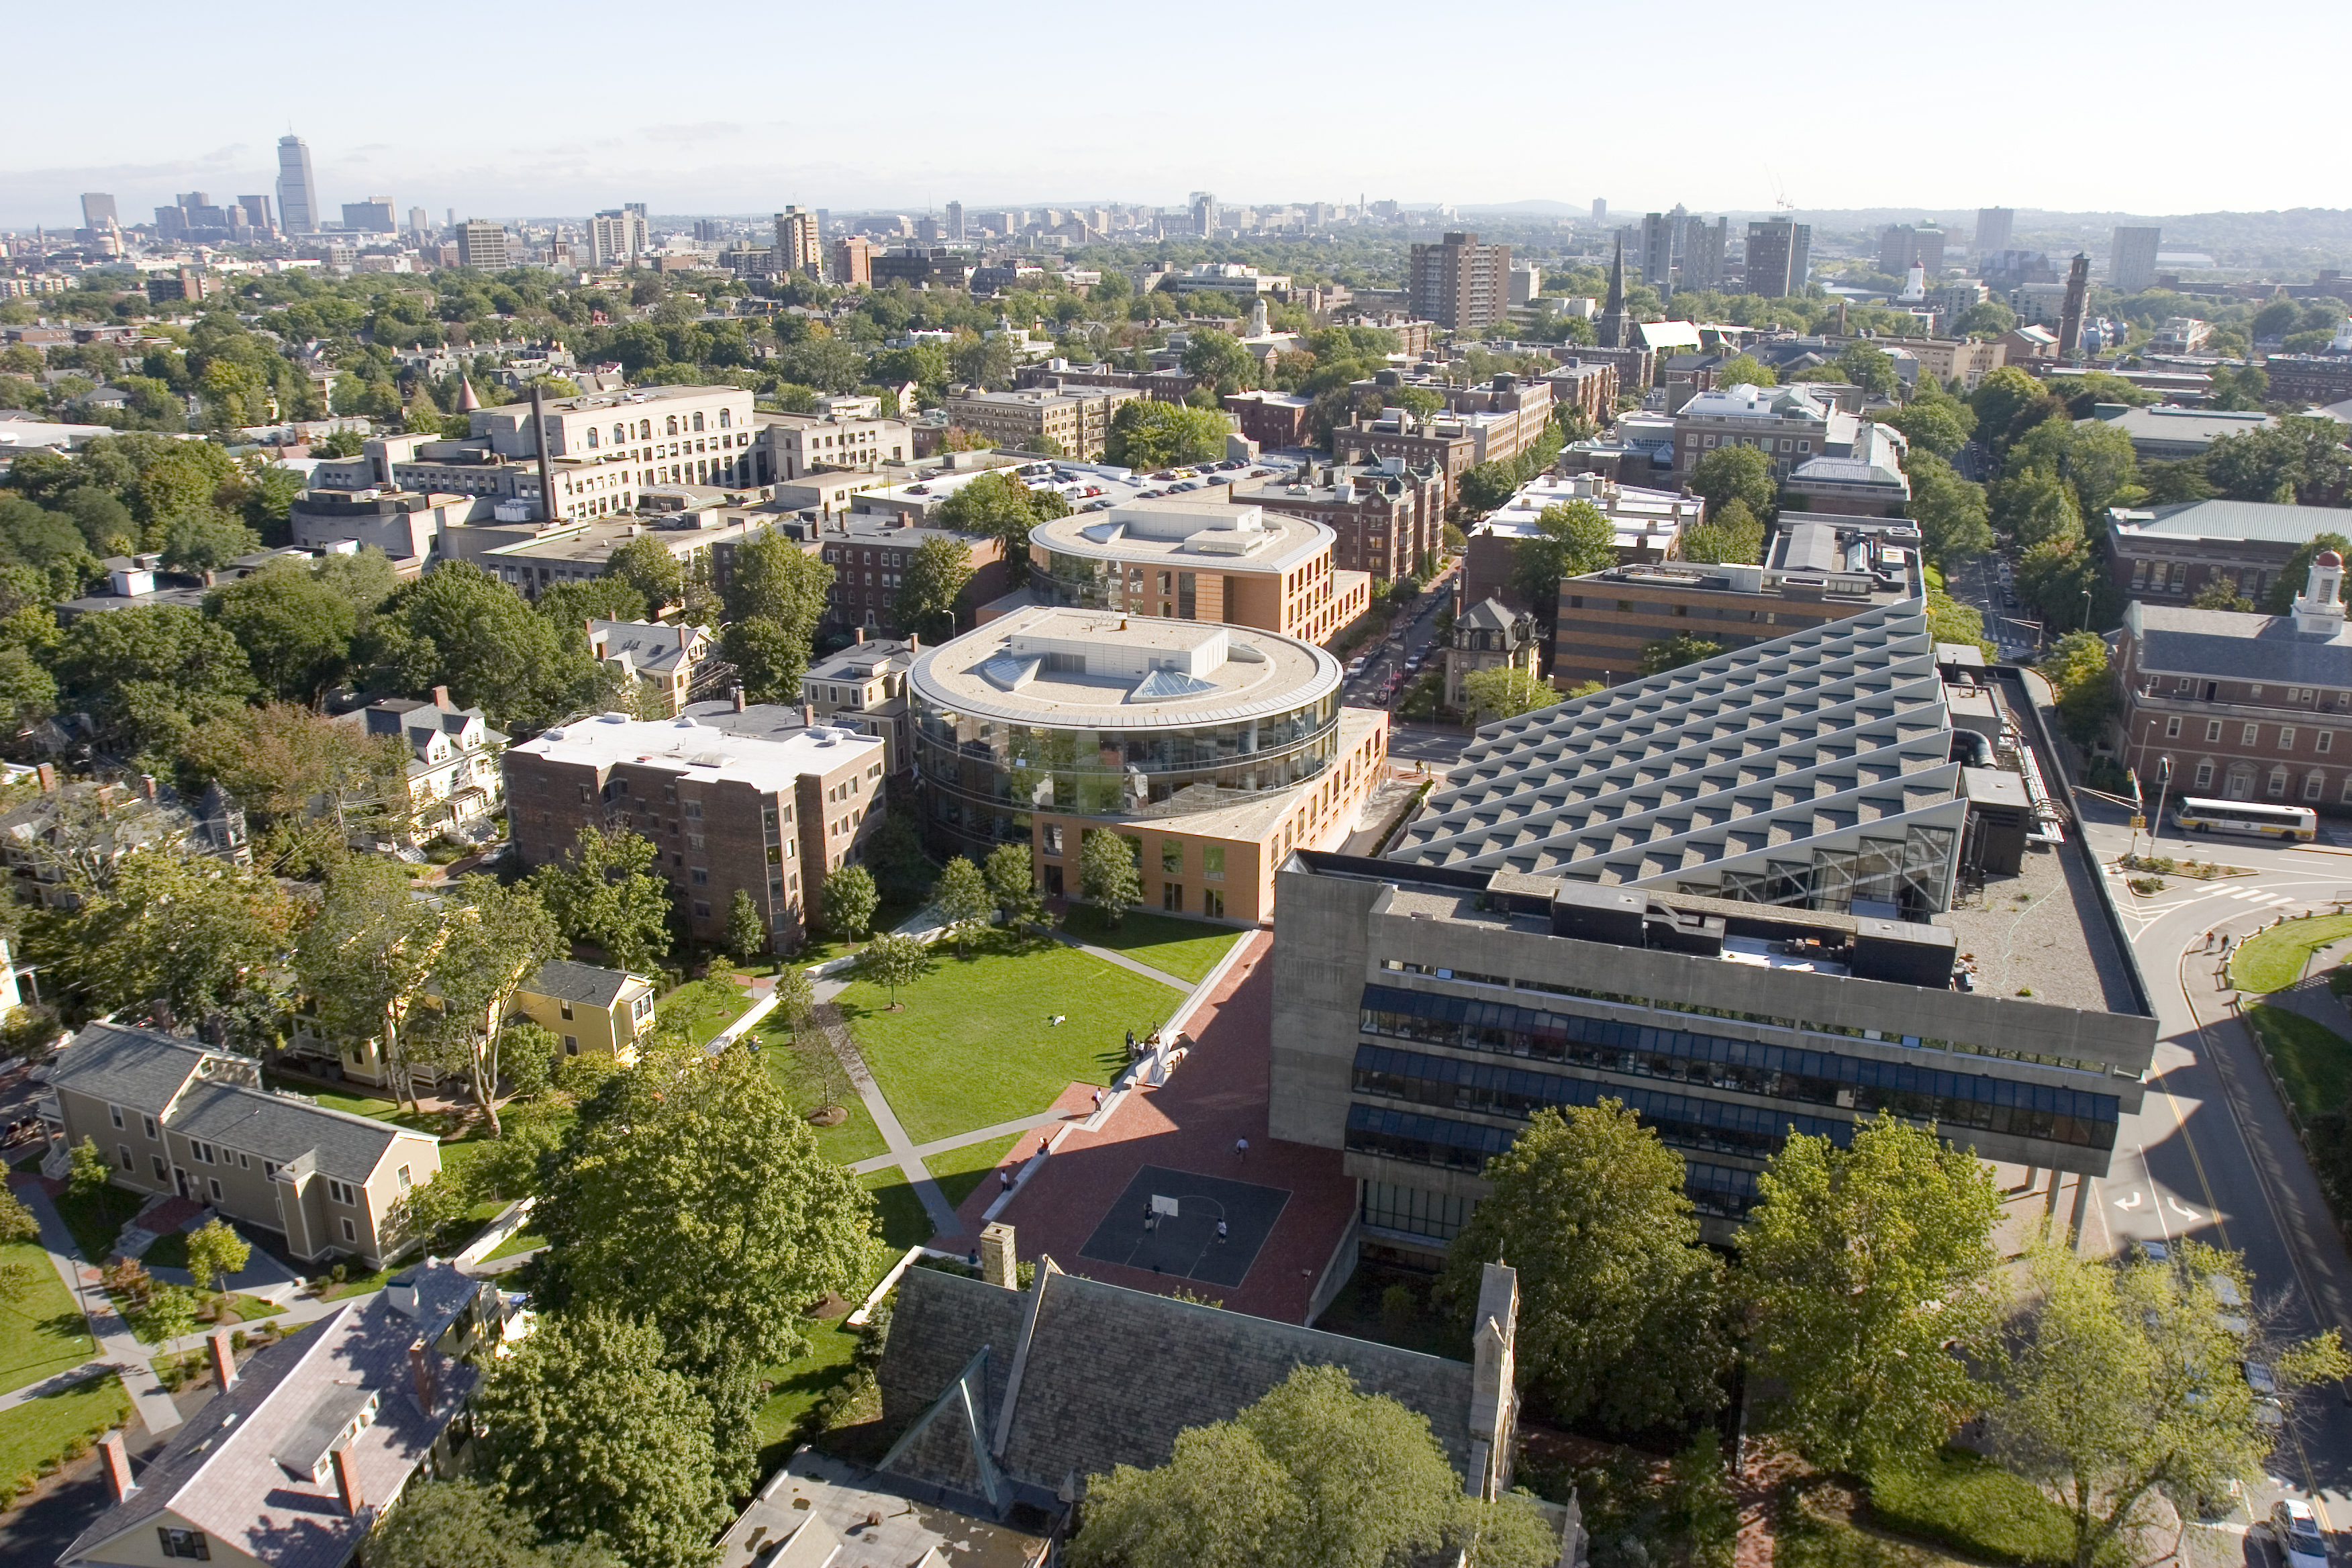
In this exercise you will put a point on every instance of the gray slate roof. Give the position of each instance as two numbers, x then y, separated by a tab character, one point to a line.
1112	1376
220	1470
567	981
2239	520
2223	644
135	1068
1489	615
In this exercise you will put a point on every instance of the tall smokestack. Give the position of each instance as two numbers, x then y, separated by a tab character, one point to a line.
538	443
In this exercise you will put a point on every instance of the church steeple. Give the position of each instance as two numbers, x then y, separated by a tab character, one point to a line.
1613	311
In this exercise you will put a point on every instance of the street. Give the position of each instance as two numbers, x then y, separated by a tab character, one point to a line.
1985	586
2212	1155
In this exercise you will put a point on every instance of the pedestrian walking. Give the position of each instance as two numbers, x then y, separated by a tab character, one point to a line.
1221	1233
1004	1179
1098	1102
1241	1150
1043	1148
1147	1216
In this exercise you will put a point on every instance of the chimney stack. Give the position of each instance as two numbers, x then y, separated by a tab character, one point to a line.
147	785
117	1466
998	1263
739	699
347	1480
808	714
441	697
224	1358
49	776
420	1375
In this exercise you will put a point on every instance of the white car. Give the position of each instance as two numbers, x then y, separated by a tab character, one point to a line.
2296	1532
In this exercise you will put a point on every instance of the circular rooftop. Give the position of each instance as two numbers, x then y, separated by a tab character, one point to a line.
1097	670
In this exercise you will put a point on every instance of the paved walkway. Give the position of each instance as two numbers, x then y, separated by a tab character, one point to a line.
117	1347
1107	956
942	1145
903	1153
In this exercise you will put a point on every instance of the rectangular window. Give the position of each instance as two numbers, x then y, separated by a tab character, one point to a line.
214	1183
2287	737
123	1152
1212	862
2324	743
2139	575
566	1008
2172	728
1053	839
189	1543
699	875
340	1192
1171	898
2212	729
203	1152
2205	775
694	808
570	1045
114	1113
1213	902
2252	736
163	1172
1171	857
148	1123
2313	786
403	1174
701	909
351	1231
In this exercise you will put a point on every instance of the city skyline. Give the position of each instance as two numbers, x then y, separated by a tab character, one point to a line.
1233	139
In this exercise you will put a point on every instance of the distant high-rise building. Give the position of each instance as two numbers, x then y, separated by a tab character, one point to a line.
1658	252
1205	213
1704	245
1900	248
1993	228
853	260
97	211
420	223
824	223
1461	284
955	223
800	248
297	188
372	215
2131	265
617	237
482	243
1779	256
256	213
1600	212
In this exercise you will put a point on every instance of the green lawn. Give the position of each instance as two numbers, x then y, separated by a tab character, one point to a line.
38	1430
970	1046
41	1331
2315	1061
97	1219
2276	958
888	915
169	1252
796	1386
703	1008
904	1222
959	1170
807	1086
1964	1501
524	1240
1185	949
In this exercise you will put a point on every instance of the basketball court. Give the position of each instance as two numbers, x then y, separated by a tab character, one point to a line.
1166	1222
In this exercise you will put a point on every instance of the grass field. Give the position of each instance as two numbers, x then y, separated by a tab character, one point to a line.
798	1384
41	1331
2315	1061
2274	959
703	1008
96	1219
904	1222
1964	1501
959	1170
38	1430
970	1046
524	1240
1185	949
808	1088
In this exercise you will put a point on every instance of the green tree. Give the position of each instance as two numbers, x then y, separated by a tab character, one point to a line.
1862	1265
1745	370
934	578
1571	540
2037	506
216	1253
606	893
460	627
2295	575
1012	883
1504	691
1732	536
1146	435
495	939
747	932
593	1437
170	1312
1735	473
527	1054
2076	665
2299	461
774	597
1869	368
963	898
1948	620
1314	1475
2221	594
1621	1307
645	565
364	956
570	606
295	629
170	929
89	1171
1107	874
1219	362
2124	1387
152	674
308	782
1938	424
467	1524
848	902
19	1225
1985	319
1673	652
1488	485
997	505
892	960
1950	510
206	542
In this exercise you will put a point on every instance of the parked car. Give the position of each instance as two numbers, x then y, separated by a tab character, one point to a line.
2296	1533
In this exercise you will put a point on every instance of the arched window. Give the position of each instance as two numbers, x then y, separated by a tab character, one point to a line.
673	425
698	418
620	433
726	418
591	437
645	430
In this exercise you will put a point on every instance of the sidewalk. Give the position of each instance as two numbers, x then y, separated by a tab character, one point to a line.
1107	956
117	1347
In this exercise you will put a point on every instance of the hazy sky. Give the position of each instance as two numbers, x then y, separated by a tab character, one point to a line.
721	107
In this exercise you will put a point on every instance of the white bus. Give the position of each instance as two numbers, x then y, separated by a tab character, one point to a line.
2290	822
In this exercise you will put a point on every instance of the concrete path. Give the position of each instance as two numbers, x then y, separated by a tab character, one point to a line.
903	1153
942	1145
1107	956
117	1346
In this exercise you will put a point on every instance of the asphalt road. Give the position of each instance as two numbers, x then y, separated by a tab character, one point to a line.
2211	1156
1984	583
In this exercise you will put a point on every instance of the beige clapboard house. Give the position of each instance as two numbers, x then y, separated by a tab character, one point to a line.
172	1116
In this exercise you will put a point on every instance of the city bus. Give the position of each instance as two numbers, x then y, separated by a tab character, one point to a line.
2290	822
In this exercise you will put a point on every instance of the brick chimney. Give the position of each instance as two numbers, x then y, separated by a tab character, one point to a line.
808	714
999	1262
347	1480
224	1358
420	1375
739	703
47	773
441	698
117	1466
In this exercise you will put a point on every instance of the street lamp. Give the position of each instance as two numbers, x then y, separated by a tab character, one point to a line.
2156	822
2086	609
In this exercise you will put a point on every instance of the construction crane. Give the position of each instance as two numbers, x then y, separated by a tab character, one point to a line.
1779	192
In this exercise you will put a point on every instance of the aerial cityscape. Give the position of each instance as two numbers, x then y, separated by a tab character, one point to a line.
722	856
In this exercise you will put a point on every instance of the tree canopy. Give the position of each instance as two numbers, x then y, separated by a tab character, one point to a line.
1147	434
1571	539
1735	473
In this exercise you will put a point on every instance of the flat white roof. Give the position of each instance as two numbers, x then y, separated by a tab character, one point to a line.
699	753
